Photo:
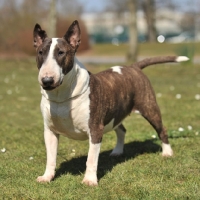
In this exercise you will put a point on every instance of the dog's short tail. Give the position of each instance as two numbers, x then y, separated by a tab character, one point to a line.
161	59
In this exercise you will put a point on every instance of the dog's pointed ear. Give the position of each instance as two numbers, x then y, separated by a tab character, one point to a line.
73	35
38	36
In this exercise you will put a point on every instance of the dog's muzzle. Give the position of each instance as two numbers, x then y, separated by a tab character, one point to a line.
47	83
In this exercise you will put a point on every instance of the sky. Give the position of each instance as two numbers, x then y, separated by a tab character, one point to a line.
99	5
89	5
93	5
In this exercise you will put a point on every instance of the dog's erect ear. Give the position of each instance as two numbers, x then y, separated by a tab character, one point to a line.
73	35
38	36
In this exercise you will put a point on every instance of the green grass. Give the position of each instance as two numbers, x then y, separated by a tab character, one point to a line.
141	173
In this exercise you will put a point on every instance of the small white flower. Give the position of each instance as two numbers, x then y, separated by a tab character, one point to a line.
31	158
159	95
197	133
6	80
153	136
180	129
197	96
178	96
172	88
73	153
9	92
137	111
189	127
3	150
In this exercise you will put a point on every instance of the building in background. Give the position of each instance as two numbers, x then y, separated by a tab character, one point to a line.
109	27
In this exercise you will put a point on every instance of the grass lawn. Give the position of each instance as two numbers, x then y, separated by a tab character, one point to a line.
141	173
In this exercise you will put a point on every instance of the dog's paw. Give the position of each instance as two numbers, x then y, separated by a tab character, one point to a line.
167	154
167	150
115	154
44	179
90	182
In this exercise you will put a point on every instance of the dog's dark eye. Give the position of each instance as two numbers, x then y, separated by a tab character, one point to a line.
60	53
40	52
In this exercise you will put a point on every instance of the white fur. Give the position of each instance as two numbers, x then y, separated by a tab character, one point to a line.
182	59
118	150
65	111
50	67
117	69
166	150
90	177
51	142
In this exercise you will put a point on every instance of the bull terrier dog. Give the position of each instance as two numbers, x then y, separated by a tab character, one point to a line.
80	105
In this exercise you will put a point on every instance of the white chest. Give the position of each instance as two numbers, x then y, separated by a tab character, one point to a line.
70	118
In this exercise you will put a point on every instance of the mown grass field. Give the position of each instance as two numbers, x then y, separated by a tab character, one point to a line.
141	173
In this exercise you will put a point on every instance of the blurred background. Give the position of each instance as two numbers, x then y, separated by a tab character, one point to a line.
111	22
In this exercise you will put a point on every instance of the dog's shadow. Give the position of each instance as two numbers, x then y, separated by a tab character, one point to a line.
77	166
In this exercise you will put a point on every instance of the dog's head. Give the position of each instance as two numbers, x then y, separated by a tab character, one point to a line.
55	56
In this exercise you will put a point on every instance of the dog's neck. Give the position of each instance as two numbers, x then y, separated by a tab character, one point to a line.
75	83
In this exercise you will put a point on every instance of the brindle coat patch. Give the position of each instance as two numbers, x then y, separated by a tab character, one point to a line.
114	96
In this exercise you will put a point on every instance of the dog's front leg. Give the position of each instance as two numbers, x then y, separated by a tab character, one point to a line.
51	142
91	164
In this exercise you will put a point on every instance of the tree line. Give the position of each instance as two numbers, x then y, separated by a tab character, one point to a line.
18	18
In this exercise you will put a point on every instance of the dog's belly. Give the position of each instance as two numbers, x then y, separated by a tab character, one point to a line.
69	118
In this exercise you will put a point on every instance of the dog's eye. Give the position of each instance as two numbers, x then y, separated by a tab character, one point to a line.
60	53
40	52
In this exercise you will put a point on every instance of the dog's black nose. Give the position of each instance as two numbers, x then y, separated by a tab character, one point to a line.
47	81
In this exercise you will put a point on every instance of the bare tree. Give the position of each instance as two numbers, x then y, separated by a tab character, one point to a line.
120	7
52	19
170	4
70	8
149	11
117	6
133	34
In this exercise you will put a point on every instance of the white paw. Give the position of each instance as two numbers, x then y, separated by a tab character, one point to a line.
44	179
90	182
166	150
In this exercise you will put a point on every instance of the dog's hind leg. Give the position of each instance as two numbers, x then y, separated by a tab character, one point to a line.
151	113
120	132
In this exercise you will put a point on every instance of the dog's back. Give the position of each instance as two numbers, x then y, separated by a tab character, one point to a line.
116	92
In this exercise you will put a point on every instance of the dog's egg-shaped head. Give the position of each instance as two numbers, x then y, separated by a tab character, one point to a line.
55	56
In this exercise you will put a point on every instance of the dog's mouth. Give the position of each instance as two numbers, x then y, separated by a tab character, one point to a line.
48	88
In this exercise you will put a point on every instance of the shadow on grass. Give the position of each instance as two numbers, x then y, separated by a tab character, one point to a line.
76	166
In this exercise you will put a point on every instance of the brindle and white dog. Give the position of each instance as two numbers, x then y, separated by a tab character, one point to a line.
81	105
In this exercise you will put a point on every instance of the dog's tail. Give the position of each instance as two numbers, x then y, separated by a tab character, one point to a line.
161	59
